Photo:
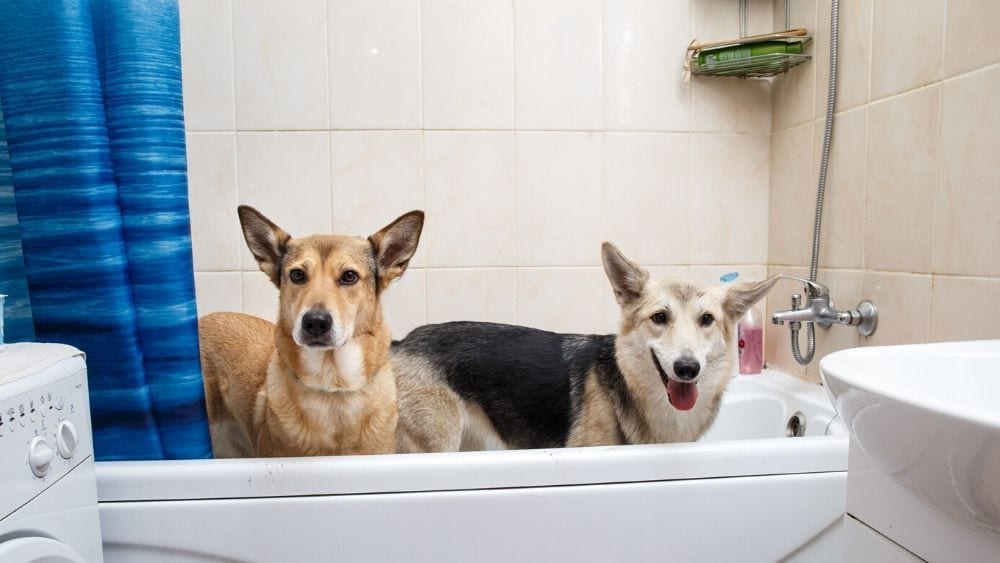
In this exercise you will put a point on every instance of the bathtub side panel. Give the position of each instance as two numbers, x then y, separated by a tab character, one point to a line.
739	518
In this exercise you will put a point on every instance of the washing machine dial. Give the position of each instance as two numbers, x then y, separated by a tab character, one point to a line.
39	456
66	438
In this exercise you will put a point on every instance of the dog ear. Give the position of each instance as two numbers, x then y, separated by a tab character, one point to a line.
627	278
742	296
267	241
394	245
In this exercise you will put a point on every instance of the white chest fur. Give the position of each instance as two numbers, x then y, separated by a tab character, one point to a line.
341	369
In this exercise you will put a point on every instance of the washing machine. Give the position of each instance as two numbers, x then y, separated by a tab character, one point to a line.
48	489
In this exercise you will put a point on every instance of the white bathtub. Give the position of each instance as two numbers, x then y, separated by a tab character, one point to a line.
744	493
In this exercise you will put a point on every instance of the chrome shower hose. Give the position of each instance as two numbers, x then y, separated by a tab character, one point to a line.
831	99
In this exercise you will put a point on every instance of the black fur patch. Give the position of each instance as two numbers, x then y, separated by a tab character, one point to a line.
528	381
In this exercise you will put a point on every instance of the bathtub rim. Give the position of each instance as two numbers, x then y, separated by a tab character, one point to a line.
121	481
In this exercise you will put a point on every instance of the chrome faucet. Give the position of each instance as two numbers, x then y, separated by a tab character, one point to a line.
820	309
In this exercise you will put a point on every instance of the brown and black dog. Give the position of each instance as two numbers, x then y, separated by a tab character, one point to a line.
320	381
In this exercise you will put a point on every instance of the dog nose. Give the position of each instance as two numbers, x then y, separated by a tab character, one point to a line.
316	323
686	369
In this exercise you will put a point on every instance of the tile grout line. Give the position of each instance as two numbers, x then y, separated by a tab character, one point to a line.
602	105
514	108
329	116
236	150
499	130
327	83
423	152
995	279
232	54
938	176
871	45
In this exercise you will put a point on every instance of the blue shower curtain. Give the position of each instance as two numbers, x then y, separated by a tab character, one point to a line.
90	93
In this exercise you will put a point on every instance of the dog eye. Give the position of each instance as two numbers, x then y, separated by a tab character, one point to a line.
297	276
707	319
350	277
659	317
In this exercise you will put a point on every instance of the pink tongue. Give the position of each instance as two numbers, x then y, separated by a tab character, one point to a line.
682	395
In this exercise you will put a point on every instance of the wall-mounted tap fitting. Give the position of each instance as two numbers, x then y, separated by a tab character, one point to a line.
820	309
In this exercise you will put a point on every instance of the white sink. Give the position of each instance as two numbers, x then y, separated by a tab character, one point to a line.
929	417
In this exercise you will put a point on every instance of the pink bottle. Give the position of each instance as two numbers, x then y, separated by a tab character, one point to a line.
750	331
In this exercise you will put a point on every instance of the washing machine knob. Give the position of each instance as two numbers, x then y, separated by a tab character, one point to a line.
66	438
39	456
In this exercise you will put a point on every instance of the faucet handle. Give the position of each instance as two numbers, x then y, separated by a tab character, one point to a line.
813	289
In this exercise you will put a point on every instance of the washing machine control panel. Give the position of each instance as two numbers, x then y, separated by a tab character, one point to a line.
44	429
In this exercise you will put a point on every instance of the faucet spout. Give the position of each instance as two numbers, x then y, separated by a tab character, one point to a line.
793	315
817	310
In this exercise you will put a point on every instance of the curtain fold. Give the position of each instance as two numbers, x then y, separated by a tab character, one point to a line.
92	98
140	62
18	326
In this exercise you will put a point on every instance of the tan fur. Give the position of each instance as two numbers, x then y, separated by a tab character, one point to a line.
434	413
271	393
597	424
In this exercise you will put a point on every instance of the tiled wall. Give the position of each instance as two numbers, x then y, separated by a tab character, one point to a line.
912	215
529	130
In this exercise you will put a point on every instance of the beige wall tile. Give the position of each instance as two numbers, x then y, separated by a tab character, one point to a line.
472	294
468	64
714	20
777	339
215	228
710	274
794	95
260	297
792	200
377	176
853	54
643	77
562	299
207	64
560	199
965	308
280	65
904	307
729	195
404	303
970	36
218	291
374	48
730	105
469	184
902	172
646	196
842	239
899	199
557	64
907	45
285	176
967	228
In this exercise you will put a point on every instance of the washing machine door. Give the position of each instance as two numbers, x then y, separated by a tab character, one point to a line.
37	550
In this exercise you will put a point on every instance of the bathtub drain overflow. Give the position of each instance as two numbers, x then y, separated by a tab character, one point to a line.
796	426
